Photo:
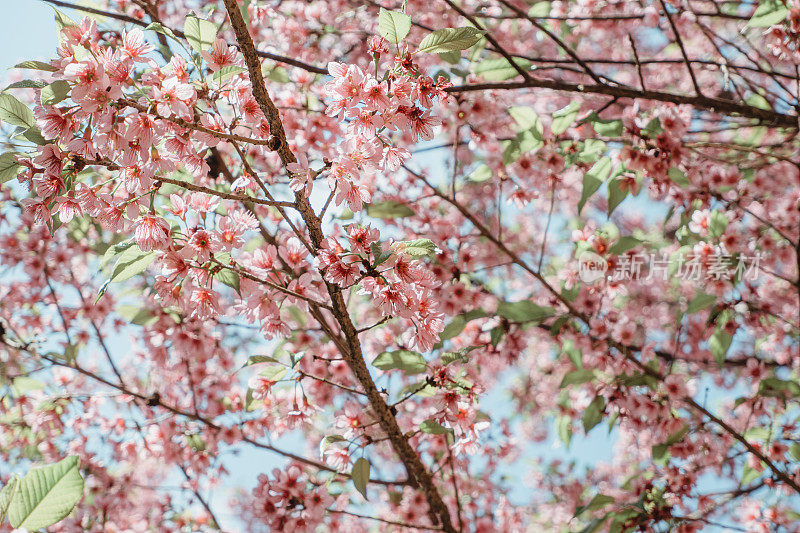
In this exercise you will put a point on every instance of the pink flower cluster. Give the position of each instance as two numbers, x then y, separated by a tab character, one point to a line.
396	283
375	109
288	502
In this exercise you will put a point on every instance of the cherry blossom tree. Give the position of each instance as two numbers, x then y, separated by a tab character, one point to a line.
393	247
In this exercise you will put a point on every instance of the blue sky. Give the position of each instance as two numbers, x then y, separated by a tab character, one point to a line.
28	30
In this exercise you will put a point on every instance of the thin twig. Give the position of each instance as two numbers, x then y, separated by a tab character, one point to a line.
683	49
126	18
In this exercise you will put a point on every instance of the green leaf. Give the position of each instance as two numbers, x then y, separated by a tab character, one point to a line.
659	451
70	353
327	441
6	495
539	9
652	129
595	525
420	389
433	427
575	355
778	388
15	112
278	74
389	209
496	335
416	247
624	244
615	195
200	33
590	186
62	20
195	442
273	373
9	168
524	311
752	136
26	84
360	475
226	72
564	117
452	329
406	360
137	315
527	120
593	413
678	177
500	69
607	128
676	437
131	262
448	39
55	92
748	474
393	26
460	355
23	384
700	302
255	359
598	502
33	135
719	343
591	150
36	65
593	179
46	495
757	433
480	174
160	28
458	323
511	151
577	377
113	251
530	140
717	223
250	403
380	256
226	275
453	57
794	450
768	13
601	169
564	429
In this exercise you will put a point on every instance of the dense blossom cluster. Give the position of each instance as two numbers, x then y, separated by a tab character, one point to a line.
319	232
286	503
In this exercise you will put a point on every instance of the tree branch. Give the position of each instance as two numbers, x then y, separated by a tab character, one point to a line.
417	472
132	20
706	103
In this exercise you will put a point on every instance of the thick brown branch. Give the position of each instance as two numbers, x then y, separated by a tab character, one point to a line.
417	472
706	103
